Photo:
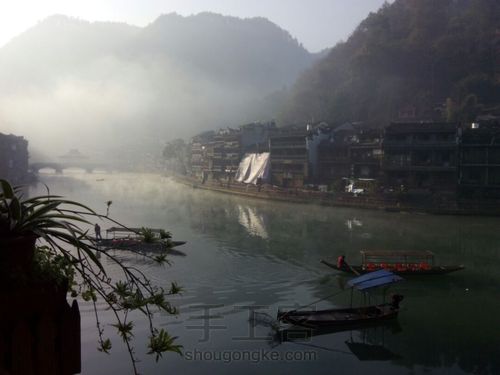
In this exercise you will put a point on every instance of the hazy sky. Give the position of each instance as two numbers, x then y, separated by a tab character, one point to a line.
317	24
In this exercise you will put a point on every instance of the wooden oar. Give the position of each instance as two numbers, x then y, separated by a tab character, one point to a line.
312	303
337	268
352	269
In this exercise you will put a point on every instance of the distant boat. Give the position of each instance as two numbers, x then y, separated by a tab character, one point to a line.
351	317
398	262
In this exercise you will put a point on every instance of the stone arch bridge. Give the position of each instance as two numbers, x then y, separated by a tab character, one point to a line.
59	167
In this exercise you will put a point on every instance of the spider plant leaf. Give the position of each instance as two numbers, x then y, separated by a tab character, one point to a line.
5	208
15	209
7	190
41	211
34	201
67	217
77	204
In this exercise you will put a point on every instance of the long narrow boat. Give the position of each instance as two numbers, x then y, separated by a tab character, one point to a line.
132	239
352	317
119	243
398	262
340	317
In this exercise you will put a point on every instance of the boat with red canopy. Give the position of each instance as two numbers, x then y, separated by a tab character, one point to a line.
398	262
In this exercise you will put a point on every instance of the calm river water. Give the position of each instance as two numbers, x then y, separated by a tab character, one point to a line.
245	254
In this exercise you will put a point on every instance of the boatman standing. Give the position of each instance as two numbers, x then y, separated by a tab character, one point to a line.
341	263
97	230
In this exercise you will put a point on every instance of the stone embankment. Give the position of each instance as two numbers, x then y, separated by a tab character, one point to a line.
395	202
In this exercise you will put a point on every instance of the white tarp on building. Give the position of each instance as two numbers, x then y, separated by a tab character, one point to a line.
252	167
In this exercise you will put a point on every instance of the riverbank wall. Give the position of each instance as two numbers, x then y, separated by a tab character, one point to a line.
437	204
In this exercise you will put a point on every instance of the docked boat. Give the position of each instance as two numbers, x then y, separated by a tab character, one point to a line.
398	262
126	242
350	317
132	239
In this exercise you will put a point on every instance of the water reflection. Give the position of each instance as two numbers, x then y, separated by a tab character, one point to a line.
250	253
367	344
352	223
252	221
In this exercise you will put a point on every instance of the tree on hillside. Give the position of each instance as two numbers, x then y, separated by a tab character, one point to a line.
412	53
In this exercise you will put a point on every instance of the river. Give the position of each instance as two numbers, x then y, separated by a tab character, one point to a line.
244	254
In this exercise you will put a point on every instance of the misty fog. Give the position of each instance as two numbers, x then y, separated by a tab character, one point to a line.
112	103
113	90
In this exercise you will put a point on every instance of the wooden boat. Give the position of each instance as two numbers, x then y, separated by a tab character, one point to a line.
124	242
131	239
398	262
340	317
351	317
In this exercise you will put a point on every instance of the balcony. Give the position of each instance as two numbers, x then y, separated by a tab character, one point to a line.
288	157
413	166
287	146
334	160
418	145
366	161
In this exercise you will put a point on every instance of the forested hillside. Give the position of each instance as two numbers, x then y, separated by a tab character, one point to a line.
413	59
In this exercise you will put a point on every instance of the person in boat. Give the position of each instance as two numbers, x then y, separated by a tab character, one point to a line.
341	263
396	300
97	230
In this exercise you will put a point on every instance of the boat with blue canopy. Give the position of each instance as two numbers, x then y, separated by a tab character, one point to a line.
351	316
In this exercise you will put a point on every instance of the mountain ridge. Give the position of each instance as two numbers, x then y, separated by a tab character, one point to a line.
171	78
436	59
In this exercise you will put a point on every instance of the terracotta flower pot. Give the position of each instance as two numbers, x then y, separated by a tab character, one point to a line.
16	253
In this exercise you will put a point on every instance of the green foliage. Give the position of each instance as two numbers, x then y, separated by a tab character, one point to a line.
105	346
164	234
69	256
161	342
125	330
175	288
89	295
148	236
408	54
52	266
49	217
161	258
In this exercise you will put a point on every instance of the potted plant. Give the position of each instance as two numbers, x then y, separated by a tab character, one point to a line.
59	226
22	222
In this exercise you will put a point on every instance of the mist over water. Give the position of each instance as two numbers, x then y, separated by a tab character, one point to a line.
116	91
249	253
115	104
